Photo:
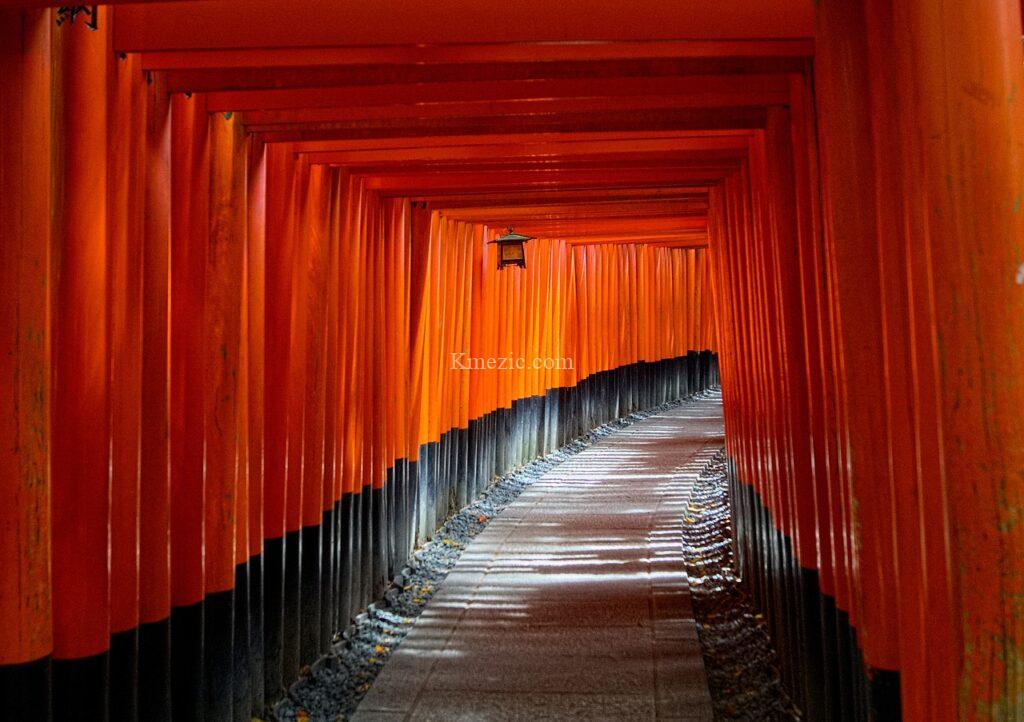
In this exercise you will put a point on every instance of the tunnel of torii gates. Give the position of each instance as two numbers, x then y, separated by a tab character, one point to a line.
240	242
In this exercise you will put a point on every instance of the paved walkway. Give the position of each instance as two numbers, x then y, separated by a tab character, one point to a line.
572	604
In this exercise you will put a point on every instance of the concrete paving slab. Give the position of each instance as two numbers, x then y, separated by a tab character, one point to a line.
538	672
453	706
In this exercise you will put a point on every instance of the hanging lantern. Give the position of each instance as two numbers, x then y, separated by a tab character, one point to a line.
510	249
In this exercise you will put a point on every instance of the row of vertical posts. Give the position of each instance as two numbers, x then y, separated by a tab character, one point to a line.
868	259
235	393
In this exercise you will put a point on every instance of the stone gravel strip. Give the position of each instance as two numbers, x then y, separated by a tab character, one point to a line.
739	656
332	688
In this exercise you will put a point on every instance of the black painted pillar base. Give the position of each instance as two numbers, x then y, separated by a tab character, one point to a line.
25	690
366	548
124	675
292	611
187	662
345	582
218	655
241	673
884	695
155	671
273	619
328	585
257	623
381	536
309	620
81	689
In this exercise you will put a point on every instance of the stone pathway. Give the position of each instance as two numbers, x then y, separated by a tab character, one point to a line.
573	604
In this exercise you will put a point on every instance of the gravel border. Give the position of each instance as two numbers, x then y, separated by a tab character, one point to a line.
739	657
332	688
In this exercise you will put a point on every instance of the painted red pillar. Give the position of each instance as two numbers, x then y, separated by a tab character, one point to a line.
277	191
256	186
80	383
26	285
155	469
851	237
190	177
221	339
295	350
312	261
913	456
126	178
961	124
943	121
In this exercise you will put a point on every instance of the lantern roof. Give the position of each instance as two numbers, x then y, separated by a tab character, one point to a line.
511	237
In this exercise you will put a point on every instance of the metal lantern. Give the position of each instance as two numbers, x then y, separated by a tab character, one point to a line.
510	249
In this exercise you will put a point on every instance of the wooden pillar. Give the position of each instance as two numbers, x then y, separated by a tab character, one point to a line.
80	383
851	236
924	623
256	188
126	203
295	350
26	285
961	125
312	259
154	481
221	339
274	362
190	196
